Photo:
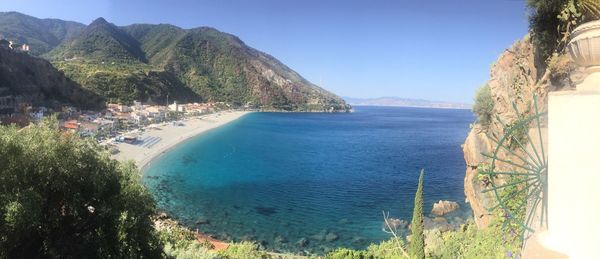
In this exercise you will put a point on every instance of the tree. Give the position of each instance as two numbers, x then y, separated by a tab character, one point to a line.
484	105
61	196
416	248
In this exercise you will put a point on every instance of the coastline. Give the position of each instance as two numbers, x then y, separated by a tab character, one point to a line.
160	138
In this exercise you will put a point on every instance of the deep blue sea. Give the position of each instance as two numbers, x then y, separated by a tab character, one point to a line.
276	178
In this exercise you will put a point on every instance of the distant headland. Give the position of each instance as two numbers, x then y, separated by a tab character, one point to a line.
405	102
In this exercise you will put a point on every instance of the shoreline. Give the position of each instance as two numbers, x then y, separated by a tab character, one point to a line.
158	139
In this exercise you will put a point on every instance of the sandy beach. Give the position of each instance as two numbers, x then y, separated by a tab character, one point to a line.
159	138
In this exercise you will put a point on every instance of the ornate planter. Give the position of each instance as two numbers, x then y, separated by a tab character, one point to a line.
584	48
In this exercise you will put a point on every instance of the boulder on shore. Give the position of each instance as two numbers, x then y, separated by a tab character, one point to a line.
442	208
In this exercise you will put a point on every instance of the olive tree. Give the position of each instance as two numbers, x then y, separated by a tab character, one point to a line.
61	196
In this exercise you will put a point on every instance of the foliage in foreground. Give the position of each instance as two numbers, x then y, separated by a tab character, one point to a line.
385	249
243	250
468	243
62	197
492	242
552	21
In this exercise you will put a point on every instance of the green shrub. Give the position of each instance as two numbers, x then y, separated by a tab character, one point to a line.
484	105
61	196
560	67
243	250
552	21
492	242
345	253
193	250
386	249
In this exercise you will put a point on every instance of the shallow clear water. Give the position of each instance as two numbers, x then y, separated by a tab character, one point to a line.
276	178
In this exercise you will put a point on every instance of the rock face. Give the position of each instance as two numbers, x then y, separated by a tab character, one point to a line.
515	78
442	208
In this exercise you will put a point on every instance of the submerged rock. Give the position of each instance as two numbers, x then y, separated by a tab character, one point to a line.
302	242
359	240
441	208
344	221
439	223
395	223
202	221
330	237
440	220
266	211
280	239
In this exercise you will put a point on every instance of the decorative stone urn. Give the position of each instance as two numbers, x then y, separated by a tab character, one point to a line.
584	48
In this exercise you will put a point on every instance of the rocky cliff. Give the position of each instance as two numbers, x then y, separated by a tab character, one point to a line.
516	77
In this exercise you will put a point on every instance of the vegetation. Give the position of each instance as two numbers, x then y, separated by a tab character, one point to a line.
385	249
41	34
45	86
470	242
243	250
61	197
142	62
552	21
484	105
126	82
416	247
101	41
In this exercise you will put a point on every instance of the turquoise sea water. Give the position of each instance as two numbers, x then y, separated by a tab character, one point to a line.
278	178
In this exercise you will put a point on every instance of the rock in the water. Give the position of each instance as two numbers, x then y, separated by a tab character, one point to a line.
266	211
359	240
440	220
202	221
280	239
438	223
163	215
330	237
320	236
442	208
248	237
303	242
395	223
344	221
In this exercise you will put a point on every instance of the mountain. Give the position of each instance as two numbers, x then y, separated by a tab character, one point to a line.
150	62
405	102
35	80
101	40
42	35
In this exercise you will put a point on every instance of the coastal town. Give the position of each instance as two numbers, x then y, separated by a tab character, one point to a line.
119	123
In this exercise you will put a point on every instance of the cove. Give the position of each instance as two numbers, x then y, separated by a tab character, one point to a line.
311	182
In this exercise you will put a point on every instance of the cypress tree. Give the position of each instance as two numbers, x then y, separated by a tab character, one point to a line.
416	248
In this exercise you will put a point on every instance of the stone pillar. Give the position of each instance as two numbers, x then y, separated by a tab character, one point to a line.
574	155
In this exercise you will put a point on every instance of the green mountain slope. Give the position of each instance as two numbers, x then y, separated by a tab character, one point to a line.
101	41
143	61
36	81
41	34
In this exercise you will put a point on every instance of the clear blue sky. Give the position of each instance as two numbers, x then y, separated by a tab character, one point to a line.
430	49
